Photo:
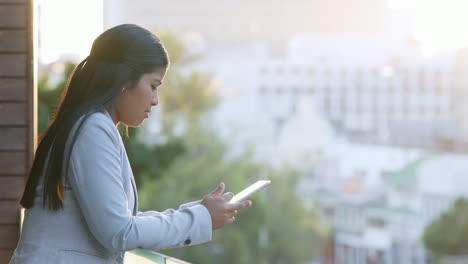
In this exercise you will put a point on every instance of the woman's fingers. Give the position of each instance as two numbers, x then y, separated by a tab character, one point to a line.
230	220
222	212
231	214
219	190
227	196
239	205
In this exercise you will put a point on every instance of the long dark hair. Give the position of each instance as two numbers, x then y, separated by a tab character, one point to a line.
118	58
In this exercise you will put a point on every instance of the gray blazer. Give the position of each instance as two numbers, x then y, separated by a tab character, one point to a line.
100	218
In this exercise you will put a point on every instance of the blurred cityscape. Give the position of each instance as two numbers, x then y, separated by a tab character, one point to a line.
343	91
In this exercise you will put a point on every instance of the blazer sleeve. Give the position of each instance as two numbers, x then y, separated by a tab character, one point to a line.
169	211
95	177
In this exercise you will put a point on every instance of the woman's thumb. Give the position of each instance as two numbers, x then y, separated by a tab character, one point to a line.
219	190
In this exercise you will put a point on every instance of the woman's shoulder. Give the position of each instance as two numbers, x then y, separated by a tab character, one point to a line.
99	124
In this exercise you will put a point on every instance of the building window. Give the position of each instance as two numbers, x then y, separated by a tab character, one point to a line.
391	111
295	90
406	83
438	76
359	73
375	73
359	88
437	89
377	222
279	90
422	80
438	110
391	90
311	71
295	70
405	109
343	74
326	100
358	107
343	98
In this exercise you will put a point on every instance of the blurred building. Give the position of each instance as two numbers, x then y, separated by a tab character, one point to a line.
368	88
385	225
372	88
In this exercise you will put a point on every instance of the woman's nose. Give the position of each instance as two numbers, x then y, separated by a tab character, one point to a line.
155	100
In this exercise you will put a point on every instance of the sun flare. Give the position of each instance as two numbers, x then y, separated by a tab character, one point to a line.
68	27
438	25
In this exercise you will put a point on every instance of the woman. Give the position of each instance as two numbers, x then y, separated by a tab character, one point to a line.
80	197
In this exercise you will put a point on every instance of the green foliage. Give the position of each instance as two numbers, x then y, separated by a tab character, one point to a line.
277	214
48	96
185	95
195	86
149	161
448	235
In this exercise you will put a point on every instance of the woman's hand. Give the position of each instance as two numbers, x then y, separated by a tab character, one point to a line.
222	212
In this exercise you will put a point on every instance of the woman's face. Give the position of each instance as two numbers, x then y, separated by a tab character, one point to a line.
134	104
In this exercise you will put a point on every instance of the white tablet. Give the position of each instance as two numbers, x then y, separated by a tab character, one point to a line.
249	191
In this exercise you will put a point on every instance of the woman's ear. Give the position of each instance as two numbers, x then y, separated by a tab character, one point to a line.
125	87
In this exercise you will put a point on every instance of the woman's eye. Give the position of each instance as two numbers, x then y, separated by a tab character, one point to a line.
153	87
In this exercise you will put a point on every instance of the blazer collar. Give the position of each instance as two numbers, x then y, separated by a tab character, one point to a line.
106	112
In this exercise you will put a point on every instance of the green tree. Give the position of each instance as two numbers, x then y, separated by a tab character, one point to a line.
275	230
49	94
448	235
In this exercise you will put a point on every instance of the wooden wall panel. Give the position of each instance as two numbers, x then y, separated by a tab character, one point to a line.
13	114
10	212
5	255
13	89
13	163
9	235
17	114
13	41
12	187
13	1
13	16
13	65
13	138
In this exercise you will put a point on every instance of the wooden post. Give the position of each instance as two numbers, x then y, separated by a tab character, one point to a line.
17	114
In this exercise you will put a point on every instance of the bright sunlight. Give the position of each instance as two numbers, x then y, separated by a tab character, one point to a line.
68	27
438	25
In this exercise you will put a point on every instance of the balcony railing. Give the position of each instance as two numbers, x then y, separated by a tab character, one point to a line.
139	256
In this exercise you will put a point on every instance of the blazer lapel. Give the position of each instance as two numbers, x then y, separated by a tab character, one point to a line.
135	195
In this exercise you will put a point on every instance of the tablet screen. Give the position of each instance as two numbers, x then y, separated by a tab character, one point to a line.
246	193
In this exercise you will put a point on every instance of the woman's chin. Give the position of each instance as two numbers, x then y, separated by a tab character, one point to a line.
133	124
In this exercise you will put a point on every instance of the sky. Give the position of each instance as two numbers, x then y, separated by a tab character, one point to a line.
438	25
70	26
